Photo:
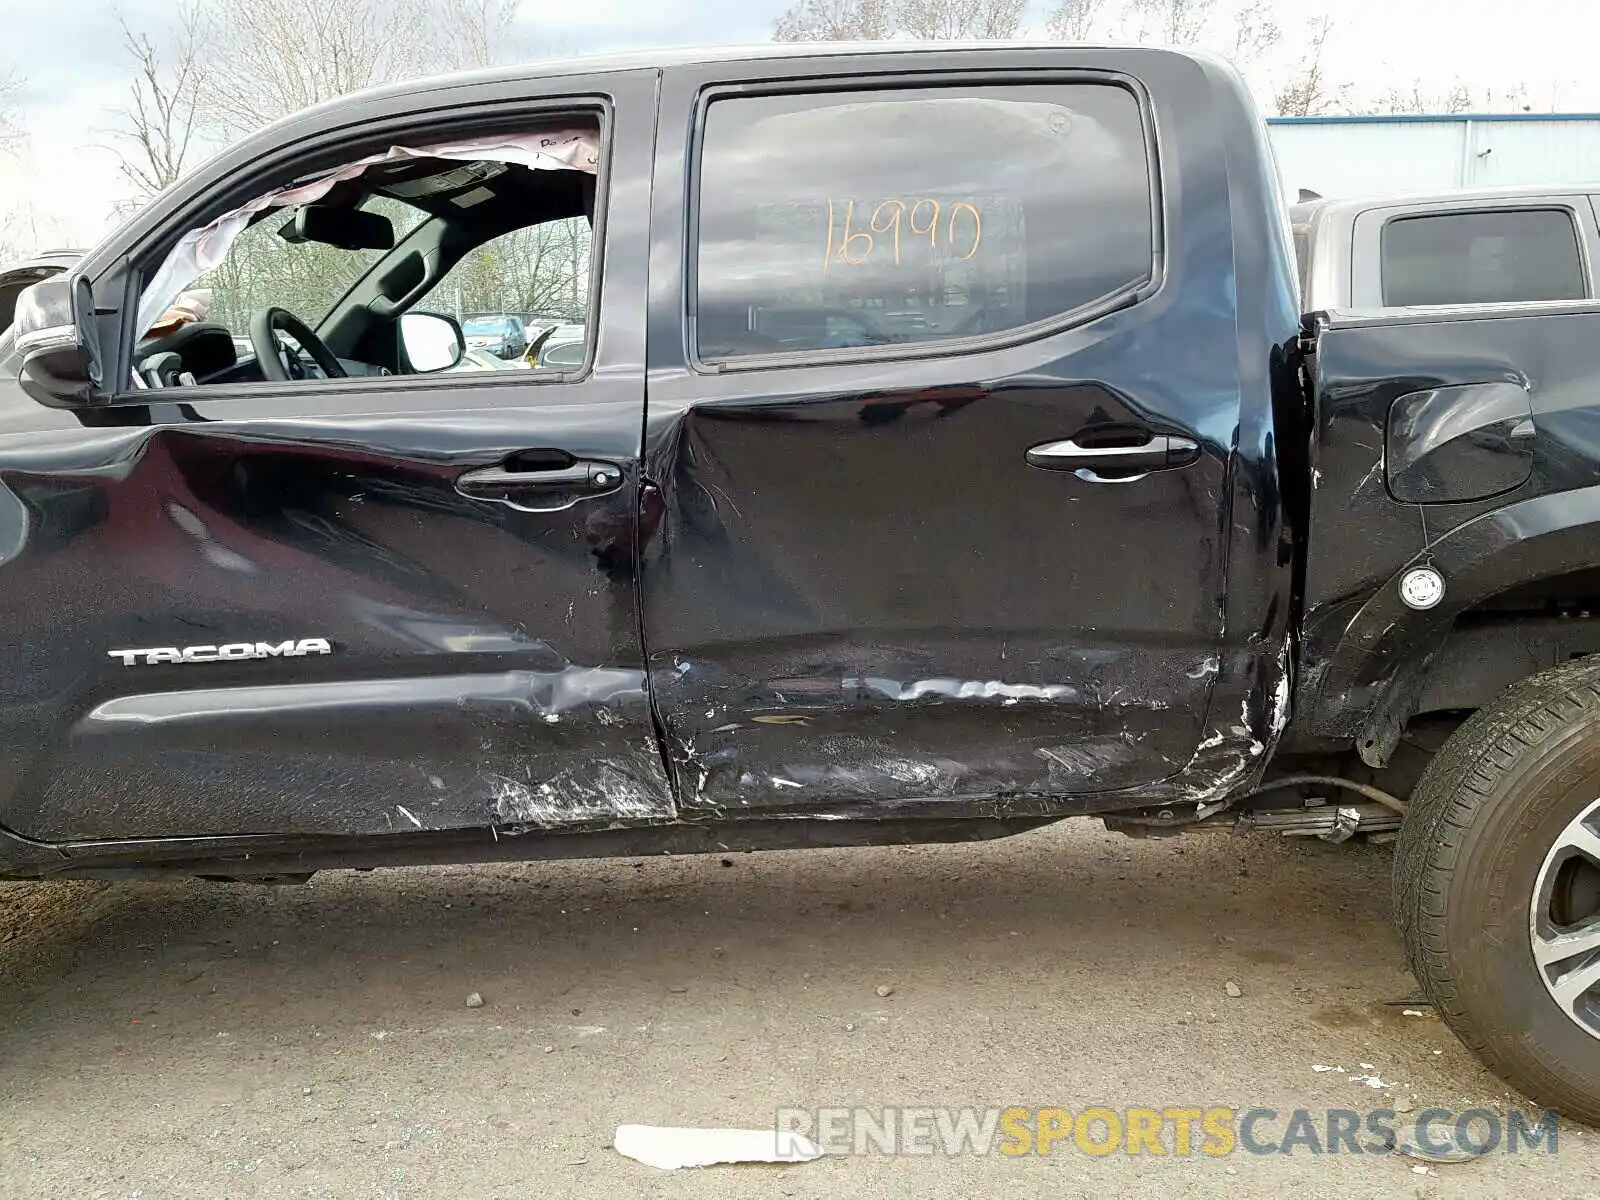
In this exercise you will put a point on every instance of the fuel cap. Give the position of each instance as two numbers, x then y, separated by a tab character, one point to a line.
1421	587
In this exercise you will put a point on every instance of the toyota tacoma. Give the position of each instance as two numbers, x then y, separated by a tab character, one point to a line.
1109	515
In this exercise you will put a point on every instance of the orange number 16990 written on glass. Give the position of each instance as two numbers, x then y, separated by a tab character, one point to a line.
895	221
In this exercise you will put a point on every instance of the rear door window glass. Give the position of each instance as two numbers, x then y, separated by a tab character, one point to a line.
867	219
1487	257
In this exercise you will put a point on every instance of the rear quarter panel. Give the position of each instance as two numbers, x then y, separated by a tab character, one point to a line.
1363	650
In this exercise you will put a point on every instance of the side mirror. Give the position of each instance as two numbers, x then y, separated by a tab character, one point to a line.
432	341
55	363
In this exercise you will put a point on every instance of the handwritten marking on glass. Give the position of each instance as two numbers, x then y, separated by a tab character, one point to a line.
853	242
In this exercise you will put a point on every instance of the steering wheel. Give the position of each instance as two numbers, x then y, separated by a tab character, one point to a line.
267	323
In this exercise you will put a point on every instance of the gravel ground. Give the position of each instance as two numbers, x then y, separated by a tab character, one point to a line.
193	1039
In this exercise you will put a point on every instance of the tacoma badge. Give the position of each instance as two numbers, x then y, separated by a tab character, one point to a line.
234	651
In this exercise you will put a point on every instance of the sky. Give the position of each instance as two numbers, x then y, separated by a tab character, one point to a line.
62	187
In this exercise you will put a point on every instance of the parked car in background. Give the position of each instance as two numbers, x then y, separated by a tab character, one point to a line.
533	321
501	334
1479	246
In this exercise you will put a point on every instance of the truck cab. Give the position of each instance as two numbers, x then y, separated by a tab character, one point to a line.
952	447
779	549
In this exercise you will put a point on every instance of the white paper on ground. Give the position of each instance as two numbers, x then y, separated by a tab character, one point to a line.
669	1148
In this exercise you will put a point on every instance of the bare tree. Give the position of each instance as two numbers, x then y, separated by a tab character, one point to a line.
10	117
1254	31
1515	98
958	20
1176	22
835	21
234	64
1074	20
472	33
13	215
1307	93
157	128
1455	99
275	57
544	268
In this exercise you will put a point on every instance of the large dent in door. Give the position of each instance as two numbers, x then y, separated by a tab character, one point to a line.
799	741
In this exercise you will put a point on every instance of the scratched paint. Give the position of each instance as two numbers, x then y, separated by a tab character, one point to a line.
581	793
1280	696
962	689
1087	759
421	748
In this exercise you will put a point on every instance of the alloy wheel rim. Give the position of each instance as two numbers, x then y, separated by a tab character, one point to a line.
1564	929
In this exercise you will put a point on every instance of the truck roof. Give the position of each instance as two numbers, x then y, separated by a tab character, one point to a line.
597	64
1329	206
589	64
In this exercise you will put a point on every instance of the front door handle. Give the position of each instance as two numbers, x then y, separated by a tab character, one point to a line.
1161	452
557	482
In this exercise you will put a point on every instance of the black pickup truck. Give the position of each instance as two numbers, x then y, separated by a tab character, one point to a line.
950	454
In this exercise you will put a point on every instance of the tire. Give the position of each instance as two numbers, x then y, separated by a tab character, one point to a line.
1482	819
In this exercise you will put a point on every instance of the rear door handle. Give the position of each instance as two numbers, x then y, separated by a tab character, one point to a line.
543	488
1162	452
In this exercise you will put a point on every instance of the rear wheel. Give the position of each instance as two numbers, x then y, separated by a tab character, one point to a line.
1497	883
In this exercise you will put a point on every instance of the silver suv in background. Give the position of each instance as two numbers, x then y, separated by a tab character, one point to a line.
1524	245
500	334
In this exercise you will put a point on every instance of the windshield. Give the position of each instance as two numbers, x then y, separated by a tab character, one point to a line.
484	325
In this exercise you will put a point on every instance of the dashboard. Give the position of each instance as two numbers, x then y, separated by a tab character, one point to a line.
207	354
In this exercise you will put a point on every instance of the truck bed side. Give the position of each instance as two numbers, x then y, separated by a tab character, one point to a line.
1508	511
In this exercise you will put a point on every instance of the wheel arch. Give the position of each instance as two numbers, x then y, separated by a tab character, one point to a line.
1388	661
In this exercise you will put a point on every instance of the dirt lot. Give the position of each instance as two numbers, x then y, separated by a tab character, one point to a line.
192	1039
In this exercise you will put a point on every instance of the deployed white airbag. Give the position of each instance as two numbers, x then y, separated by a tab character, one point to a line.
199	250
